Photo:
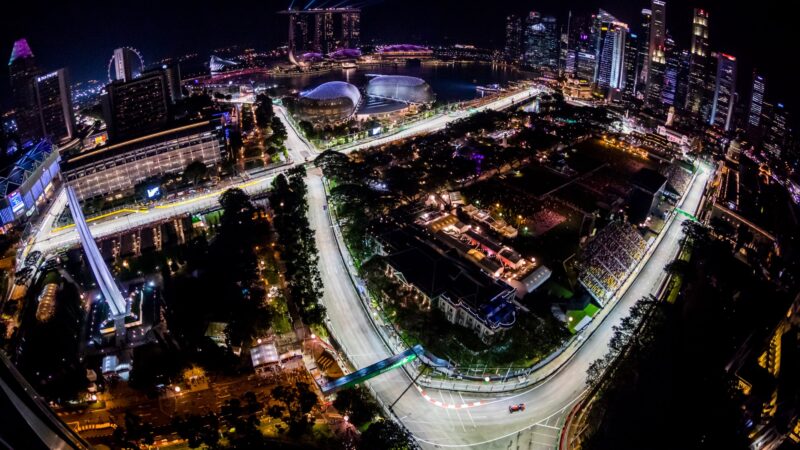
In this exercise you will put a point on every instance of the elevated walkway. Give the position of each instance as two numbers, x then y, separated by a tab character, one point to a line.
383	366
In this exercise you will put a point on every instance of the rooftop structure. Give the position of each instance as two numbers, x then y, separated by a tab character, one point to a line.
24	184
20	50
402	51
332	101
467	296
400	88
345	53
118	168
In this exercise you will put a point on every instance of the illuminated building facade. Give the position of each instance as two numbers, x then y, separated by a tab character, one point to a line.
724	92
138	106
54	104
116	169
697	99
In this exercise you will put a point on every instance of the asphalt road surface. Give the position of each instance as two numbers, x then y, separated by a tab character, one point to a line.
489	426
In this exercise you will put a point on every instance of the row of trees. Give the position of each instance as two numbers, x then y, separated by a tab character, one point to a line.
297	244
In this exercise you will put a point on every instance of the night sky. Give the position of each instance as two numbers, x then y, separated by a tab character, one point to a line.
82	35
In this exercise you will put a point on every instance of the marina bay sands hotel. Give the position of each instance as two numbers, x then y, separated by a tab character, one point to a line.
323	30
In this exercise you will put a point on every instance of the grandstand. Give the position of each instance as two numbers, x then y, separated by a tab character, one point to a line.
608	260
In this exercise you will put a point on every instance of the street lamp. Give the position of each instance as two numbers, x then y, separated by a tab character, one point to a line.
177	389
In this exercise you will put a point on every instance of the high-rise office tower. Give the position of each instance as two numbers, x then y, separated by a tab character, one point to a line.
671	71
173	75
610	51
755	109
513	49
682	59
724	92
533	34
658	36
22	71
697	96
54	105
550	44
631	65
777	131
644	50
655	85
138	106
585	66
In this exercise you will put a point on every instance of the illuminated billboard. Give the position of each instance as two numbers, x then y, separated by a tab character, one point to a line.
15	199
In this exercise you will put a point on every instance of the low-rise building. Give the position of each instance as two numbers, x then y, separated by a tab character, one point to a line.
466	296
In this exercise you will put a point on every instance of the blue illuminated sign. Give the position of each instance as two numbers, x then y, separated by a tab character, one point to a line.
16	202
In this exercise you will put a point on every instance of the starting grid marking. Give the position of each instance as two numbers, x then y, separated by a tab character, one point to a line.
445	405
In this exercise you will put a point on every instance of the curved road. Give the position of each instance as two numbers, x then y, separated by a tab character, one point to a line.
488	426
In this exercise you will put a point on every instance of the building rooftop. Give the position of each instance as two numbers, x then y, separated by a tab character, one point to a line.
649	180
332	90
106	151
437	274
20	50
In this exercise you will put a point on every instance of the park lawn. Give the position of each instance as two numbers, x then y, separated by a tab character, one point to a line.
280	321
578	314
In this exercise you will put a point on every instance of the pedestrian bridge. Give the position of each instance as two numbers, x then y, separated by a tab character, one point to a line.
383	366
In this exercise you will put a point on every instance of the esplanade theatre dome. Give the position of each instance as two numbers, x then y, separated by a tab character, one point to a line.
332	101
401	88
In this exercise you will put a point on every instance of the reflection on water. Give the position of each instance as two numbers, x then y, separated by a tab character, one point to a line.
451	83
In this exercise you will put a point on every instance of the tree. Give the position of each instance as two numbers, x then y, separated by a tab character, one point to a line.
357	404
385	434
292	405
195	171
138	430
264	112
679	267
198	430
279	133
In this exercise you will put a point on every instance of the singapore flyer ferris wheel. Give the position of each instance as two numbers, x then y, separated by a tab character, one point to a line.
131	56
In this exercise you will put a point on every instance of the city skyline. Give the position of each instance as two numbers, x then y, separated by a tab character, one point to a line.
182	29
400	225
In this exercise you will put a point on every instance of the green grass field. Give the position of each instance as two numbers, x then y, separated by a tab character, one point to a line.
578	315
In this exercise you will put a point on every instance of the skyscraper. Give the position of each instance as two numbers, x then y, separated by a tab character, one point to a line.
644	51
777	132
533	36
351	29
697	96
631	65
724	92
658	35
672	67
22	71
173	74
610	51
513	49
756	104
585	66
138	106
54	105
